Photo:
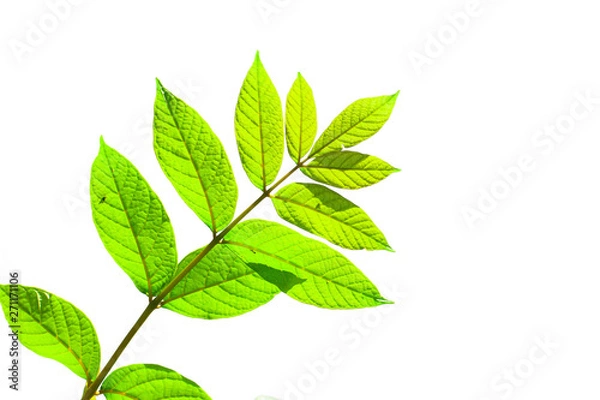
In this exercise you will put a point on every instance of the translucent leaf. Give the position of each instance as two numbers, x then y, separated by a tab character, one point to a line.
359	121
259	126
53	328
300	119
132	222
221	285
322	211
330	280
193	159
150	382
348	169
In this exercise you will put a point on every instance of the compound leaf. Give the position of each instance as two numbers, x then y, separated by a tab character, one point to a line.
193	159
323	212
259	126
221	285
330	280
132	221
150	382
53	328
348	169
300	119
359	121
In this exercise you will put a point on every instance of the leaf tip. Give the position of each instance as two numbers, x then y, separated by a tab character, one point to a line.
394	170
389	248
383	301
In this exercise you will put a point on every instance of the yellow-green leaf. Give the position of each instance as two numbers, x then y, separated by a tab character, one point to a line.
259	126
300	119
348	169
323	212
359	121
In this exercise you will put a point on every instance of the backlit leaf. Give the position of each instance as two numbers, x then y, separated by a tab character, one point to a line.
53	328
193	159
150	382
330	279
348	169
359	121
259	126
322	211
132	221
300	119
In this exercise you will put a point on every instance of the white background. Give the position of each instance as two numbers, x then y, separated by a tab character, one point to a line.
472	299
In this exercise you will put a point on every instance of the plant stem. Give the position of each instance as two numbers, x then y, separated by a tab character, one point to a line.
156	302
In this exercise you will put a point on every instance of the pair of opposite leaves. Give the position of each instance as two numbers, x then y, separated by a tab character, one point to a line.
256	259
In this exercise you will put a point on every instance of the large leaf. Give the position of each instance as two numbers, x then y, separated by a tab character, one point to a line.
132	222
259	126
330	279
221	285
322	211
53	328
150	382
359	121
300	119
194	160
348	169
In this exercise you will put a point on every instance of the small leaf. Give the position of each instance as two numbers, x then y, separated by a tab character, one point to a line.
322	211
221	285
300	119
132	221
193	159
359	121
330	279
53	328
150	382
259	126
348	169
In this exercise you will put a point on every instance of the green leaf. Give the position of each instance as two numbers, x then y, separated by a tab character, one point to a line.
322	211
259	126
132	222
348	169
53	328
221	285
193	159
330	279
284	280
300	119
359	121
150	382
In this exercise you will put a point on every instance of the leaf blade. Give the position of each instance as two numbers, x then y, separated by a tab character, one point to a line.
300	119
131	221
348	169
150	382
330	279
259	126
221	285
54	328
358	122
194	160
325	213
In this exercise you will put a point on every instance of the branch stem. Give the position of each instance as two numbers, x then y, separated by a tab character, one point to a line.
156	302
